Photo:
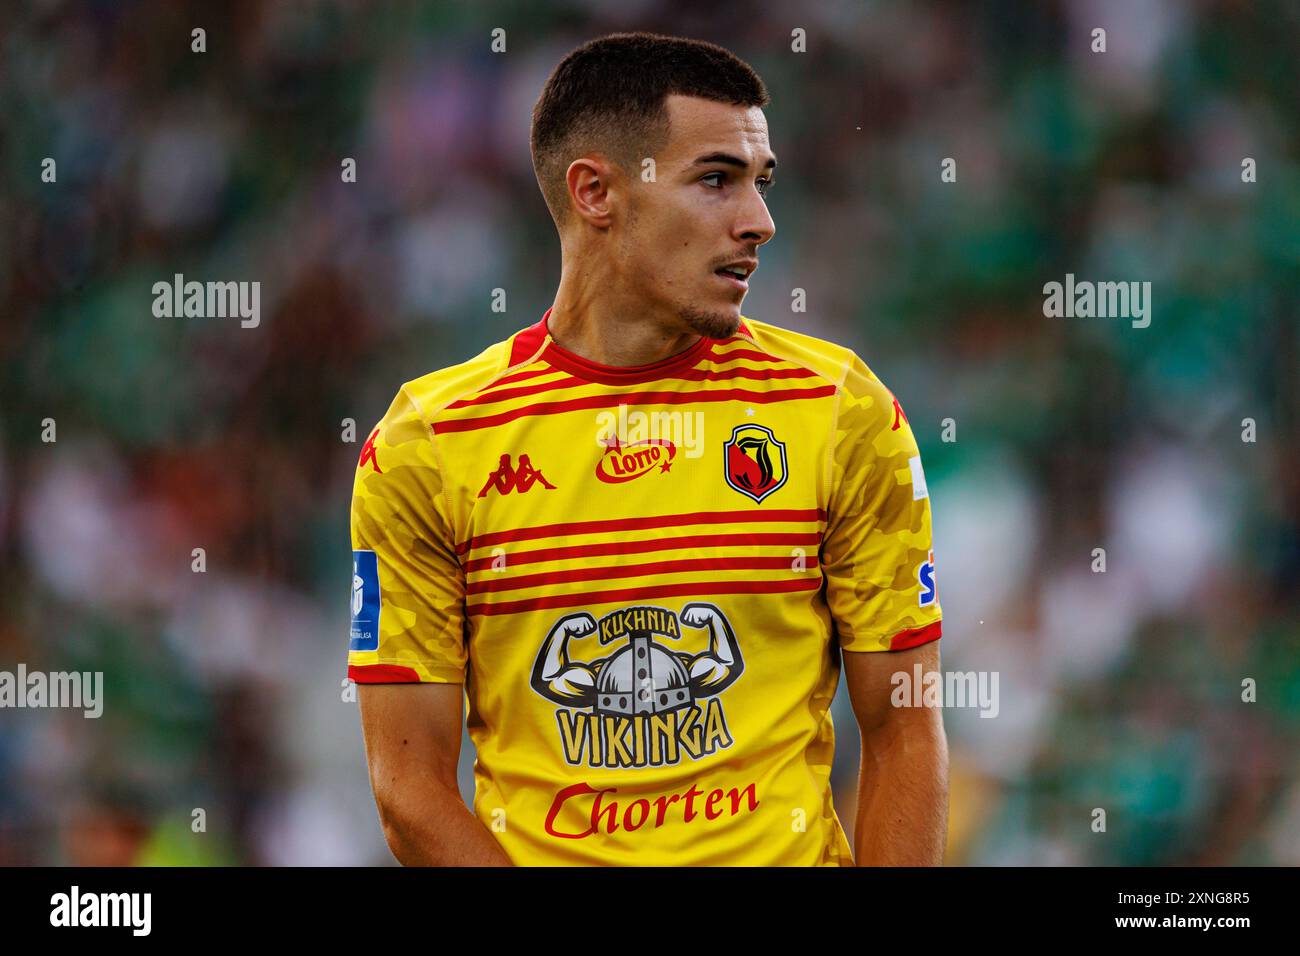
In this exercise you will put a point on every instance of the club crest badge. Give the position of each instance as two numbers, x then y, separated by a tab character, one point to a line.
754	461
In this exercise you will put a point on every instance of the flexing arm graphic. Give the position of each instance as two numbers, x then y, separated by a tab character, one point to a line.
559	679
716	669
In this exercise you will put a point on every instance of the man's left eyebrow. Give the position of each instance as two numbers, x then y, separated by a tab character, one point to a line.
728	160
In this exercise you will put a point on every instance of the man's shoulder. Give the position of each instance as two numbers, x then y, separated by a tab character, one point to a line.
829	360
858	385
434	391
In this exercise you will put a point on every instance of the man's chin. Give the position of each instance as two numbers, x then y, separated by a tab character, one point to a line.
712	325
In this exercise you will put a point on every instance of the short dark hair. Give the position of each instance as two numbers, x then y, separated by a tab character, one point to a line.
608	95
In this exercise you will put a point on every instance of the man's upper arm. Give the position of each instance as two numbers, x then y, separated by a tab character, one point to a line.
411	730
408	590
870	681
877	553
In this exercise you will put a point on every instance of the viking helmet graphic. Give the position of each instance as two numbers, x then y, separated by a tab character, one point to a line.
642	678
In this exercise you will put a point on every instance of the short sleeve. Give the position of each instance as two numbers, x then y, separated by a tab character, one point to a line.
877	554
408	592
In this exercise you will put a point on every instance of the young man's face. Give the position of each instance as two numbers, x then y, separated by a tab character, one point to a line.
704	211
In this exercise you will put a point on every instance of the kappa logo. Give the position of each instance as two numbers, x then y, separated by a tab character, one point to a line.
508	478
646	704
623	462
368	452
899	416
754	461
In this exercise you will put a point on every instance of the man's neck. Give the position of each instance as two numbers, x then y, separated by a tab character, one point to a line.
610	329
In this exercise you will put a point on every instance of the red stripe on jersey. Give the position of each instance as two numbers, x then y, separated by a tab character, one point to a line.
762	374
720	356
658	590
536	370
382	674
915	637
811	539
543	578
633	398
528	341
495	395
629	524
690	375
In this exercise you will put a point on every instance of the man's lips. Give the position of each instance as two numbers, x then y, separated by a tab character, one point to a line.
737	272
734	281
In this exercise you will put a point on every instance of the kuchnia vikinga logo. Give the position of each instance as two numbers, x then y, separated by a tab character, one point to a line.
647	704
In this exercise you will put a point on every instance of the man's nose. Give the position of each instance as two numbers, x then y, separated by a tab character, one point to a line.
755	224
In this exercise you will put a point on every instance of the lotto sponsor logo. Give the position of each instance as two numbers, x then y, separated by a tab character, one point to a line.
622	462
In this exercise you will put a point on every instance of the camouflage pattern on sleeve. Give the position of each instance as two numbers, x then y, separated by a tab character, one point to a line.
398	513
879	559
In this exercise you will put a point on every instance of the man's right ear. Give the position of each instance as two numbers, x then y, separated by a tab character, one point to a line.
587	180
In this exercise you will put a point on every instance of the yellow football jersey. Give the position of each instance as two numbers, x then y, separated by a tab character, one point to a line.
643	577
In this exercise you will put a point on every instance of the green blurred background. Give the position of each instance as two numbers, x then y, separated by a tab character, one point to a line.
225	689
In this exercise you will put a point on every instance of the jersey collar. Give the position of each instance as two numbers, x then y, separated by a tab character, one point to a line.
585	368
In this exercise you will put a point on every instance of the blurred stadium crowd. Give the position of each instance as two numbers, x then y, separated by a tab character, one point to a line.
224	690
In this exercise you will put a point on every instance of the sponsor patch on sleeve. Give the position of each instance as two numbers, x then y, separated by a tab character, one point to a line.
925	578
919	490
365	601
